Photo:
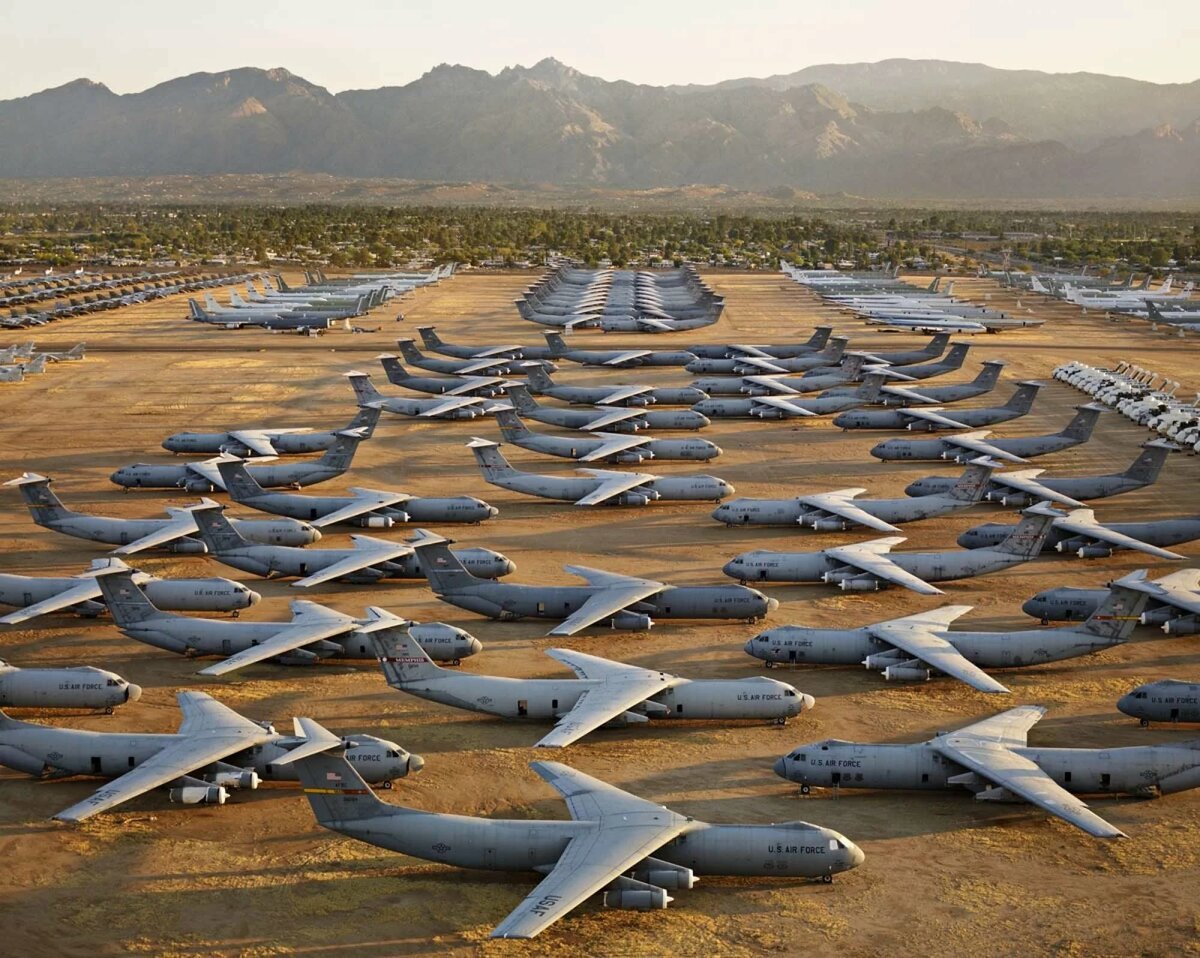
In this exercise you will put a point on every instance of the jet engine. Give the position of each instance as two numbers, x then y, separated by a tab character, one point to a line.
189	547
634	499
1184	625
635	895
198	795
632	621
653	871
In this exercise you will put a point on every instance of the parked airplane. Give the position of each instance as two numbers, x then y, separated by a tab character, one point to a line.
601	446
244	443
1174	603
1079	533
78	687
1167	700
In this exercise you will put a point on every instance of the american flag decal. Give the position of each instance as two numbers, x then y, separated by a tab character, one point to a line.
333	777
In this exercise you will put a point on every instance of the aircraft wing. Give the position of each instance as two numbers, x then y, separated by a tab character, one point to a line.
766	364
365	500
749	350
921	636
623	830
473	383
613	593
622	393
367	552
444	406
476	365
907	394
182	523
1023	778
840	503
1180	589
85	590
1010	729
310	623
610	417
209	733
626	357
612	444
934	416
207	469
649	322
778	402
622	688
1082	522
1022	481
871	557
973	441
501	352
612	484
256	440
772	384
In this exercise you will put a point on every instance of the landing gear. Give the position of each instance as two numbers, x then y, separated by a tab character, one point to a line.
236	614
1144	723
826	879
456	661
108	710
386	786
781	721
805	789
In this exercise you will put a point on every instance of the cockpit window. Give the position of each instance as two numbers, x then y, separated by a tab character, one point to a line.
392	753
833	845
789	694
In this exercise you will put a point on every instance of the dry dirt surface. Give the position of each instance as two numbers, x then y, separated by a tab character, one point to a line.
944	874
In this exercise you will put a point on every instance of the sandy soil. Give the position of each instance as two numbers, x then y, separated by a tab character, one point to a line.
944	874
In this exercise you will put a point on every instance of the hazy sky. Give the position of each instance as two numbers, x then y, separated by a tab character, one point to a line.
132	44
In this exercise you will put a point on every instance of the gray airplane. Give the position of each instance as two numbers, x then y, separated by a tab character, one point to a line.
932	418
891	395
486	365
993	760
1174	603
602	446
204	477
369	560
1167	700
434	343
1078	533
446	407
175	534
539	383
852	369
1012	489
814	343
314	634
617	601
366	508
621	419
910	648
794	407
603	694
42	595
841	509
617	358
908	357
80	687
967	445
215	751
485	386
745	364
244	443
868	566
634	848
596	487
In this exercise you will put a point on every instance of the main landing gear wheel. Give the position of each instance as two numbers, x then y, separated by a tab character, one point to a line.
1144	723
805	789
827	879
386	785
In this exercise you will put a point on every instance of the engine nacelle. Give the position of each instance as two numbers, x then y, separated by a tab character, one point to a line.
239	778
905	673
633	499
1094	552
188	547
198	485
632	621
635	895
1073	544
198	795
633	456
1160	616
626	718
1184	625
665	874
377	522
766	412
860	584
881	660
830	525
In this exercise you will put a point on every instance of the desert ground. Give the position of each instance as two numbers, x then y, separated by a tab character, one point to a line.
944	874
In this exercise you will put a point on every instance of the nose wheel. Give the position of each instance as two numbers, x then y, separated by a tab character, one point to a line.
827	879
805	789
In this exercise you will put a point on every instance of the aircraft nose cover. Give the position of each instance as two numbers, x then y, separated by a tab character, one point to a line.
780	768
133	692
806	701
415	764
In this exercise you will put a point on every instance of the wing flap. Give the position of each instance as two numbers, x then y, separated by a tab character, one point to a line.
871	558
921	637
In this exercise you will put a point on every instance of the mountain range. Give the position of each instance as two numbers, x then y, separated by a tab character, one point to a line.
895	129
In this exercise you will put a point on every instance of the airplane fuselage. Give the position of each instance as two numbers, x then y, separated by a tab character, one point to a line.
796	512
184	595
415	509
765	566
282	562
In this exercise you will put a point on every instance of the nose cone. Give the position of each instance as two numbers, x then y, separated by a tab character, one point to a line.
712	449
492	512
507	565
702	420
118	477
252	598
855	854
1125	704
314	534
726	489
733	568
806	701
840	419
772	604
132	692
780	768
474	646
880	450
415	764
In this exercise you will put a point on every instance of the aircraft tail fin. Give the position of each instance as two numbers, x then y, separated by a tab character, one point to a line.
872	385
523	403
1027	539
218	535
366	419
408	349
972	484
396	373
1021	401
490	459
852	365
44	505
1118	615
819	338
539	378
210	303
341	453
402	658
957	356
511	426
337	793
239	482
932	287
235	298
558	345
430	337
195	312
936	346
364	391
1149	463
441	566
1084	422
949	290
126	601
281	284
